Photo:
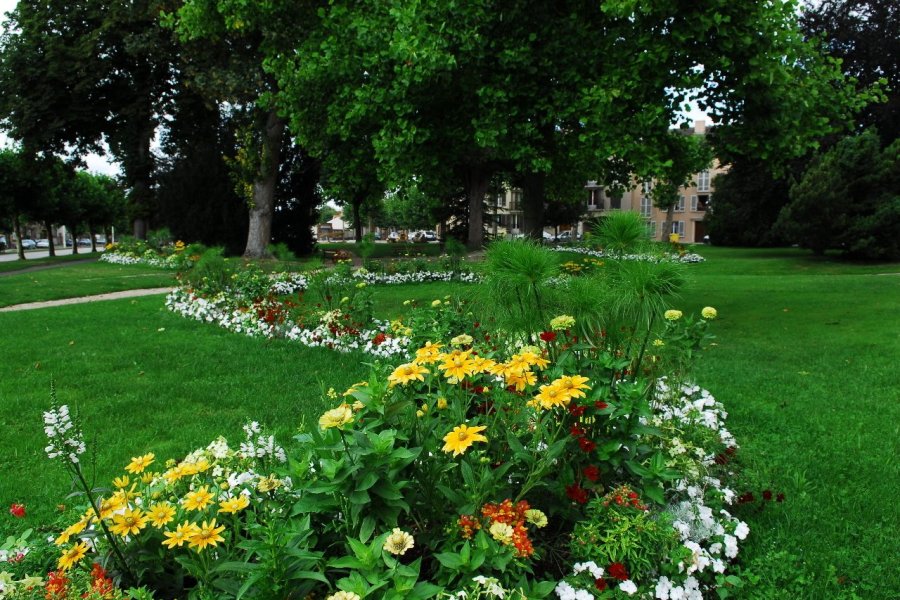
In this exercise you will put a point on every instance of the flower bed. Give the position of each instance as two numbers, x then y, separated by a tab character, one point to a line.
686	257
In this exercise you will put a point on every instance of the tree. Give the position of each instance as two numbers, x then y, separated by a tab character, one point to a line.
244	34
865	35
103	203
482	87
14	192
848	199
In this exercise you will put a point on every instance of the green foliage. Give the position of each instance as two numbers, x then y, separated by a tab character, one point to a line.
516	276
280	251
621	232
848	200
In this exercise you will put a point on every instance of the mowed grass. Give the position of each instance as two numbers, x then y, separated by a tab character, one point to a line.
85	279
804	361
18	265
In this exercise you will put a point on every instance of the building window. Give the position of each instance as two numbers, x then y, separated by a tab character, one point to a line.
703	181
678	227
501	199
699	203
651	229
648	187
595	199
679	206
646	206
516	200
615	202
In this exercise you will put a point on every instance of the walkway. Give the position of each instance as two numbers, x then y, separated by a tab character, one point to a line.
86	299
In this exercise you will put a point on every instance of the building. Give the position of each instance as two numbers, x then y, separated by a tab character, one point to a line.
688	218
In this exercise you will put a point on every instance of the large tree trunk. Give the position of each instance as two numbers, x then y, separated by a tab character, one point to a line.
52	248
74	240
18	227
140	171
667	226
477	179
533	199
357	220
93	237
259	232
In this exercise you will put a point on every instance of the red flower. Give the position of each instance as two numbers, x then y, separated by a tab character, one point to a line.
17	510
600	584
745	498
576	431
767	495
600	405
779	497
378	339
617	571
592	473
476	324
577	493
575	410
586	445
548	336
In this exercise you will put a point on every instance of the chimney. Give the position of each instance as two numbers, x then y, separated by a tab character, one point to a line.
700	127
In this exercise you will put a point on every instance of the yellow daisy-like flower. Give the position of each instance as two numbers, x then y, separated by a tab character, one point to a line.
534	359
536	517
198	499
269	484
441	403
658	343
398	542
160	514
139	463
129	523
63	538
406	373
72	556
552	395
234	505
355	388
709	313
521	380
428	353
573	385
174	474
182	534
207	535
562	322
147	477
672	314
336	417
121	482
436	303
457	365
110	505
481	364
463	436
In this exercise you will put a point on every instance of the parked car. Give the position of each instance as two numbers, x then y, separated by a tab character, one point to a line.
44	243
3	244
393	237
27	244
567	236
84	241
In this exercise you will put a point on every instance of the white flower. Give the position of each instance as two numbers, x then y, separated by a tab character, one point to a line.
741	531
663	587
628	587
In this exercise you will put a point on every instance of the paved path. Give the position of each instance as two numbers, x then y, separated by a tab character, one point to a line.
85	299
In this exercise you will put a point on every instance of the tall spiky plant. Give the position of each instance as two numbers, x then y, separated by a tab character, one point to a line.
621	232
516	290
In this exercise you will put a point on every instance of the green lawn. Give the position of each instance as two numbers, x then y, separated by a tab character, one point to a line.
17	265
804	362
85	279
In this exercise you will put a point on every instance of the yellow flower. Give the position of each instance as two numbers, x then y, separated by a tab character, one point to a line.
536	517
355	388
534	359
481	364
174	474
331	394
160	514
72	556
336	417
502	532
521	380
398	542
129	522
552	395
573	385
182	533
269	484
562	322
658	343
709	312
516	365
435	303
428	354
406	373
343	596
672	315
147	477
198	499
234	505
461	340
463	436
121	482
207	535
441	403
457	365
139	463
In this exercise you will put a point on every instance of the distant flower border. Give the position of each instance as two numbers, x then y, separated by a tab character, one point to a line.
688	258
